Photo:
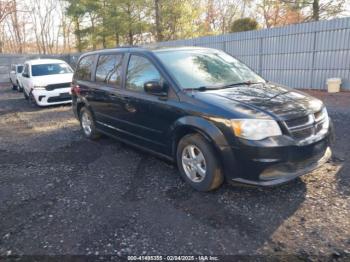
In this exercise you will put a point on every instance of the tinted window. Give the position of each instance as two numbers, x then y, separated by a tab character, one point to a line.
50	69
205	67
84	68
109	69
19	69
140	71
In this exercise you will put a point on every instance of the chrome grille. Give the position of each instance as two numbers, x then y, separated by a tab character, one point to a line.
305	127
302	134
57	86
297	122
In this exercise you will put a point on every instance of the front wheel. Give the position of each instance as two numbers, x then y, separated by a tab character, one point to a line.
19	88
32	100
26	97
87	124
198	164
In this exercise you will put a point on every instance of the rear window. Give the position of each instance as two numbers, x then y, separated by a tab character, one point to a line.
19	69
84	68
50	69
108	69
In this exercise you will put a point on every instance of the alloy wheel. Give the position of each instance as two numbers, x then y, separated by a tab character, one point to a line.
193	163
86	123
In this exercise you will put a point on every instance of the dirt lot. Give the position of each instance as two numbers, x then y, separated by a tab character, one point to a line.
63	194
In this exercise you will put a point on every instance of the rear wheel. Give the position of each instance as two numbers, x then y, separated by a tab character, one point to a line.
14	87
87	124
198	164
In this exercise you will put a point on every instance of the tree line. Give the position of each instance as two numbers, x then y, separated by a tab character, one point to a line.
62	26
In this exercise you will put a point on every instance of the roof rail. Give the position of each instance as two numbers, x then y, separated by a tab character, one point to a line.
127	46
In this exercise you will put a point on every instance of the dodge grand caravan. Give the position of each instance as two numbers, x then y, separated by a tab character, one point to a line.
204	110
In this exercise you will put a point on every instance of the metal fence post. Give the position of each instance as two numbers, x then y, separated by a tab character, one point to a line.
260	55
313	61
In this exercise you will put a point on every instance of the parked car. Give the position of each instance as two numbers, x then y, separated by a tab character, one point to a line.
19	81
16	71
204	110
47	82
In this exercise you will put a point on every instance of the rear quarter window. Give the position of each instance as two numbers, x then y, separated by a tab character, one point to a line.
84	68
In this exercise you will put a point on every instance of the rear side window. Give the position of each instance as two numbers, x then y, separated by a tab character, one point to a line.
84	69
108	69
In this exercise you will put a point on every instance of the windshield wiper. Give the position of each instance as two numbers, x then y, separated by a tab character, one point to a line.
203	88
206	88
248	83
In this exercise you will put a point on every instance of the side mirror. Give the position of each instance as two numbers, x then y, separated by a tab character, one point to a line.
155	88
25	75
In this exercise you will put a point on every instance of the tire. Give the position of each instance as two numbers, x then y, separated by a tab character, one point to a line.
19	88
26	97
14	87
196	144
88	125
32	100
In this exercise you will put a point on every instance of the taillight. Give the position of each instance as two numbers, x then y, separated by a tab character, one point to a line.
75	89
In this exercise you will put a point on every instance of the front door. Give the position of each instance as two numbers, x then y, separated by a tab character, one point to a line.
145	117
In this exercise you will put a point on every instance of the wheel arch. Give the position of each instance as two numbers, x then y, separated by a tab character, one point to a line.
80	103
192	124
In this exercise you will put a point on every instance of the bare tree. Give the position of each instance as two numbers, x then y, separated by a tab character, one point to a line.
6	8
44	19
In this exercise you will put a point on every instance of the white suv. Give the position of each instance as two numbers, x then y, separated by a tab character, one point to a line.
47	81
16	72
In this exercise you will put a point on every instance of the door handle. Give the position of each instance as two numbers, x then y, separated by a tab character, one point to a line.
126	98
130	108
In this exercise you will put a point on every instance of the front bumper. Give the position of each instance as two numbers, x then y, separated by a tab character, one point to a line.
285	172
52	97
277	163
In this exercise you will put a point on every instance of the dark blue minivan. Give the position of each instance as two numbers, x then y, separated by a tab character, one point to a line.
204	110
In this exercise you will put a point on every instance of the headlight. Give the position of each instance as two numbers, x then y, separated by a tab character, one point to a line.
255	129
39	87
324	117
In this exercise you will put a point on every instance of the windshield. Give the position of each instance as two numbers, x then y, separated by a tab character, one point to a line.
19	69
206	68
50	69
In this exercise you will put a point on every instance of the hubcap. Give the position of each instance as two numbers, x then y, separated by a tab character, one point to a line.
86	123
193	162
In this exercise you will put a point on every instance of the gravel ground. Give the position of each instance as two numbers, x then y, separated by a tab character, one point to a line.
63	194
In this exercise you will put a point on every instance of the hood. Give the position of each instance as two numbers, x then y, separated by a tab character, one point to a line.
267	98
52	79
